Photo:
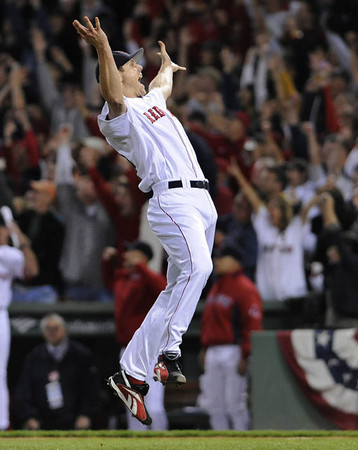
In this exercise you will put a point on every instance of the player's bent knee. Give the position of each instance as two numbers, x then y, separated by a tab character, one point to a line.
203	268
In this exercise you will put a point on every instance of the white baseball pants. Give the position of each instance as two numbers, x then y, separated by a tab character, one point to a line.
224	391
184	220
4	358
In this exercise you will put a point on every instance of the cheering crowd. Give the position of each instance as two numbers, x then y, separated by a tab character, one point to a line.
269	102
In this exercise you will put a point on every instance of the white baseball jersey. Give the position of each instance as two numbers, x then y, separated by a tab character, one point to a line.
12	265
280	265
152	139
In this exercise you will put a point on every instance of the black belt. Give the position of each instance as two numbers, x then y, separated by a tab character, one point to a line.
199	184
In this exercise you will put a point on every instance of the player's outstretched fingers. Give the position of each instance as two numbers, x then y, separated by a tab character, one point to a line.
77	24
88	23
162	46
81	30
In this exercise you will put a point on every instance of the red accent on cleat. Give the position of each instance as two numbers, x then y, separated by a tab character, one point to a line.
168	371
131	395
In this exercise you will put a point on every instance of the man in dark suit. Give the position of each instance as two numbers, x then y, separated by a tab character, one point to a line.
52	392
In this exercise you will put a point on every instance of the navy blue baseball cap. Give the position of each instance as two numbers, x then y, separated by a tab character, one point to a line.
229	250
142	246
120	58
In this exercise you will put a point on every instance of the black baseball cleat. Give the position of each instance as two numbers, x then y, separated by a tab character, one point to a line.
131	394
168	371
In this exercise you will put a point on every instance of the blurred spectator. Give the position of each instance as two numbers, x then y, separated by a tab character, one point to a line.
60	105
14	263
121	197
302	34
280	241
232	310
20	146
328	161
267	83
351	164
135	288
224	192
47	231
274	182
236	229
255	71
299	189
88	228
337	250
52	392
6	195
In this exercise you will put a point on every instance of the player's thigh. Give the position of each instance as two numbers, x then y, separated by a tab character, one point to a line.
181	230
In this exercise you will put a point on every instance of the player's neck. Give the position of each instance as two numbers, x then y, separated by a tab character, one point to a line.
131	92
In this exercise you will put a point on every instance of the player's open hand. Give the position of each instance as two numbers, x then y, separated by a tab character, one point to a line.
166	58
93	35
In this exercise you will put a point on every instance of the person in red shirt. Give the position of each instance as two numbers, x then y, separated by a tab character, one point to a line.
232	310
135	287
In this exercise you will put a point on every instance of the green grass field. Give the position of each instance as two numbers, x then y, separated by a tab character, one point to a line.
183	439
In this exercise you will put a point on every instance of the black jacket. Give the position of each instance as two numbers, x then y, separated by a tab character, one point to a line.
79	383
341	279
47	234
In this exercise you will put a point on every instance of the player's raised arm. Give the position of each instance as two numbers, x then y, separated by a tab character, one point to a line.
164	78
110	79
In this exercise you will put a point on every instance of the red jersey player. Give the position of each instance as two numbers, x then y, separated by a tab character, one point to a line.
232	310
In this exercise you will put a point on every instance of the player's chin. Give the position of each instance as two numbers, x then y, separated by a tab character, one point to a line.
142	89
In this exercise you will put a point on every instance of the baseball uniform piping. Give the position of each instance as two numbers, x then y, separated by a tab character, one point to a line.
191	267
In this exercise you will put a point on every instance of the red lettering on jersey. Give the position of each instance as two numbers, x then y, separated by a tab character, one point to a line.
149	117
159	111
153	114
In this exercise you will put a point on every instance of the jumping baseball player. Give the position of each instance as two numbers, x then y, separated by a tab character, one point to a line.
14	263
181	213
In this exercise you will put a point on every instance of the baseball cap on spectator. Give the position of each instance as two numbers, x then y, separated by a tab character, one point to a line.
229	250
142	246
120	58
45	186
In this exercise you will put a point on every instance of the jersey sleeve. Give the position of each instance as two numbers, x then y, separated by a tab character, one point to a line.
119	127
